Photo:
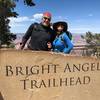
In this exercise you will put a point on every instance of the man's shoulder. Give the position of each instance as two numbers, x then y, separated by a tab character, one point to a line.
35	25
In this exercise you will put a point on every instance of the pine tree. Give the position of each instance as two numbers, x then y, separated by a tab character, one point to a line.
28	2
93	43
6	11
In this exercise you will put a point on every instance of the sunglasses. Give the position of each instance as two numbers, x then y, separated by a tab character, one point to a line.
47	18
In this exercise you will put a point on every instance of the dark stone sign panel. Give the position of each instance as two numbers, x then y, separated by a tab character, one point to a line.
27	75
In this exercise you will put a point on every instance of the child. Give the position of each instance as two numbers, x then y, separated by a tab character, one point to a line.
62	42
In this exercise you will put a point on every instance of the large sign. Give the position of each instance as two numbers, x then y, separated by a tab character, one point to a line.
27	75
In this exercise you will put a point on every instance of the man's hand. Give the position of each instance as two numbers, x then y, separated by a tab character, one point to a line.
49	45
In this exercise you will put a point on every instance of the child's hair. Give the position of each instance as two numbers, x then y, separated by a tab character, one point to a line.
55	25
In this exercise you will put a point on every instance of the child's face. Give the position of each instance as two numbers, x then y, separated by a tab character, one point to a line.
60	28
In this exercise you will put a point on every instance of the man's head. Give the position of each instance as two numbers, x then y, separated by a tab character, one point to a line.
46	18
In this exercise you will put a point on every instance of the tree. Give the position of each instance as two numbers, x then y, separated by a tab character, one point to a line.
93	43
6	11
92	38
28	2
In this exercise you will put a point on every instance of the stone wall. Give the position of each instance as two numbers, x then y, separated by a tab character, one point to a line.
27	75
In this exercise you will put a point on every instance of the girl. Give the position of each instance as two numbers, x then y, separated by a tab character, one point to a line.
62	42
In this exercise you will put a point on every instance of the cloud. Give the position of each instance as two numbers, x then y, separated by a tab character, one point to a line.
57	18
23	19
84	29
90	15
60	18
23	22
37	17
80	29
75	26
17	25
19	19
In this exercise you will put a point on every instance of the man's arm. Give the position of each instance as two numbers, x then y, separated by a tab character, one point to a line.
26	36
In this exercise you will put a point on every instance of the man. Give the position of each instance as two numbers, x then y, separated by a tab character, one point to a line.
40	34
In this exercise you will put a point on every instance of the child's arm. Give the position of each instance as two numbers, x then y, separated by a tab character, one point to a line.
67	43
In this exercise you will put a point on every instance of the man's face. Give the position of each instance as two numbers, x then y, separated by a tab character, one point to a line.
46	20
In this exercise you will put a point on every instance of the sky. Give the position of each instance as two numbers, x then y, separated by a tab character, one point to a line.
81	15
